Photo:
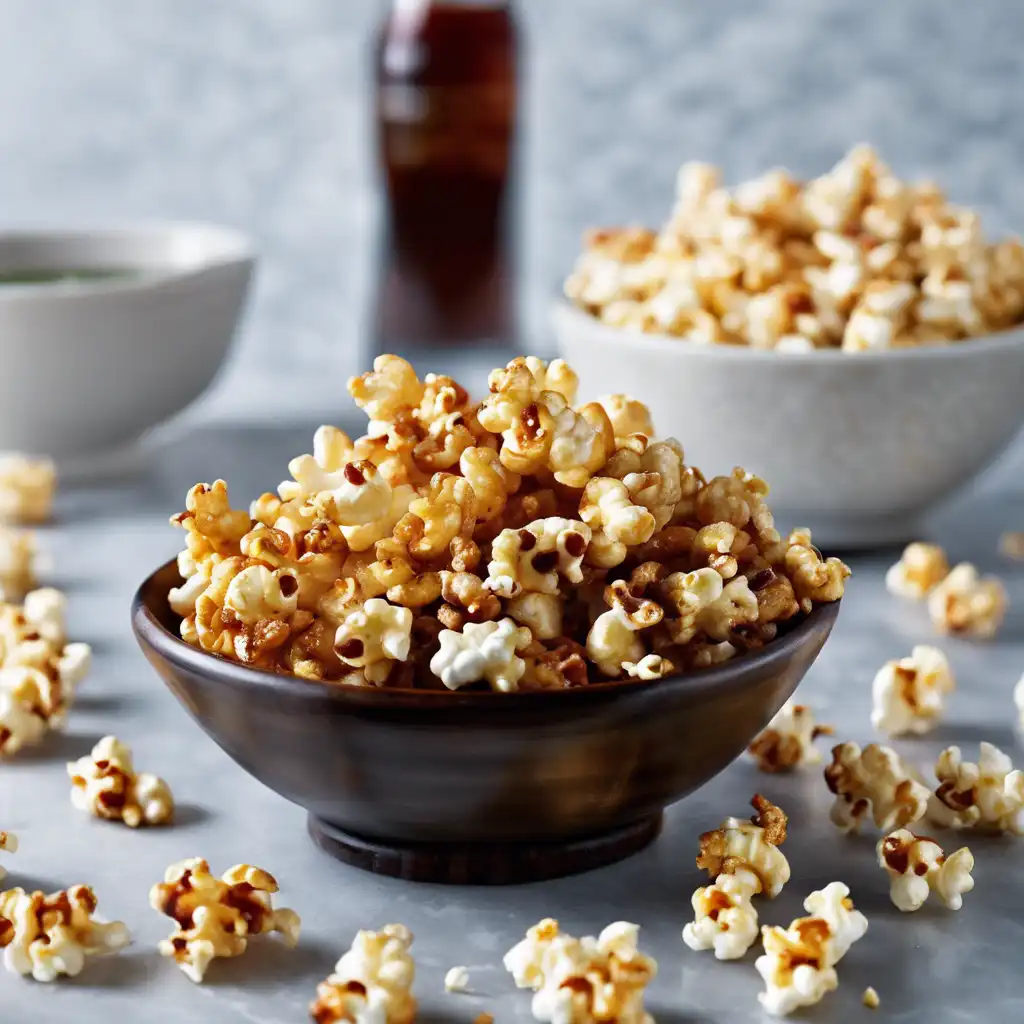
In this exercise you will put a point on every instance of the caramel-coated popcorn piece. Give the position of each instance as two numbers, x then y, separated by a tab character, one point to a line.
921	568
217	917
725	917
987	796
17	562
8	842
50	936
750	846
917	867
873	782
371	983
967	603
787	741
908	693
106	785
26	488
583	981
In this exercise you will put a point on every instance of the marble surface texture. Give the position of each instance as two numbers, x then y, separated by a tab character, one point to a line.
254	113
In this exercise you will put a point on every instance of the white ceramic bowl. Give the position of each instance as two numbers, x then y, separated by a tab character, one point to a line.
89	365
856	446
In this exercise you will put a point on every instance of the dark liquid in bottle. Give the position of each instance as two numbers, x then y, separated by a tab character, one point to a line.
446	102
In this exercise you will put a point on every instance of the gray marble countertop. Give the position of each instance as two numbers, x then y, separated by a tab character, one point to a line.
931	966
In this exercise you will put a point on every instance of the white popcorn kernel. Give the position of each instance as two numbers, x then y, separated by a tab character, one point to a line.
482	651
870	998
613	643
372	982
908	694
787	741
26	488
456	980
874	781
794	966
257	593
917	867
725	918
540	613
8	842
44	609
967	603
373	635
50	936
533	558
106	785
847	925
649	667
988	796
921	568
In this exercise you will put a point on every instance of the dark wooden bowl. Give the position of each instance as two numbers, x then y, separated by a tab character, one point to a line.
478	787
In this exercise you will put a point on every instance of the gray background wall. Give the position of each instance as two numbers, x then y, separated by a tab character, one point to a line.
256	113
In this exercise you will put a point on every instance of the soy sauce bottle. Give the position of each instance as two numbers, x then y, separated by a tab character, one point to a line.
446	112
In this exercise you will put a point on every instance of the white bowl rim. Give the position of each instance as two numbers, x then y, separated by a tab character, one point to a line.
1011	337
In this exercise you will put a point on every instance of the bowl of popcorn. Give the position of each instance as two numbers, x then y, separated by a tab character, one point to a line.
854	339
489	640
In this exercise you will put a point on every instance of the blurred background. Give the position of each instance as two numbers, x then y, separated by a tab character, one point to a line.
259	114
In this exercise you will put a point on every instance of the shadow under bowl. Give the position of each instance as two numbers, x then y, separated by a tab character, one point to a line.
478	787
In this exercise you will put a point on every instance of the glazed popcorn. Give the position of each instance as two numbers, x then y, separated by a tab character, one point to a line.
921	568
725	919
749	846
908	693
787	742
523	542
216	917
873	782
26	488
17	563
987	796
371	983
106	785
583	981
798	965
856	259
917	867
8	842
50	936
967	603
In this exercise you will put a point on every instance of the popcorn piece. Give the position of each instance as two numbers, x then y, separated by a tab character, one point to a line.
921	568
536	556
390	388
725	919
917	866
105	784
787	741
612	642
988	796
373	636
50	936
17	562
966	603
456	980
213	529
750	846
798	965
1011	544
8	842
908	693
583	981
616	520
482	651
26	488
628	417
217	917
371	983
874	781
870	998
649	667
257	594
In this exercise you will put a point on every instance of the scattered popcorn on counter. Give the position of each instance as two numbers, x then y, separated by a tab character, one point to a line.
217	917
750	846
50	936
106	785
908	694
1011	544
17	563
921	568
917	867
26	488
968	604
456	980
873	782
583	981
787	741
371	983
798	965
8	842
987	796
855	259
725	918
870	998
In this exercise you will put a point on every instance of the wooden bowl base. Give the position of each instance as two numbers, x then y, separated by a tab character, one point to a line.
484	863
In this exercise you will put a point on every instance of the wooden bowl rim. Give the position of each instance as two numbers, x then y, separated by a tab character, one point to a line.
731	675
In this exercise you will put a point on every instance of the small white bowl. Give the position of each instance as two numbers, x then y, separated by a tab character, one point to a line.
856	446
89	365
